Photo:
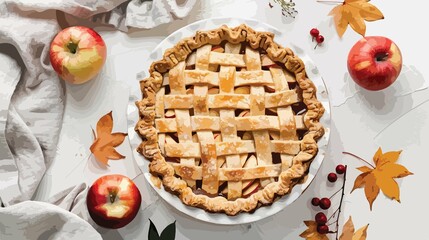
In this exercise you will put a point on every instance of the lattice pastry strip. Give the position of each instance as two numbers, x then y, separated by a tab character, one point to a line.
229	100
225	148
285	114
227	122
208	148
257	99
183	118
212	123
243	78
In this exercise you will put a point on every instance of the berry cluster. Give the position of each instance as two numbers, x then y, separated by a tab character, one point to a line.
315	33
340	169
325	203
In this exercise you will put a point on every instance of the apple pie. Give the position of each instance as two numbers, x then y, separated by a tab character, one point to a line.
229	120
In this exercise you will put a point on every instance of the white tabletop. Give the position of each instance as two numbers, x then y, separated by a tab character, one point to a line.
395	119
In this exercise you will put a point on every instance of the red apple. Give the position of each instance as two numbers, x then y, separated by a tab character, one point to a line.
374	62
77	54
113	201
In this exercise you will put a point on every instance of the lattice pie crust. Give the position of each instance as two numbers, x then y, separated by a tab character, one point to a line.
229	120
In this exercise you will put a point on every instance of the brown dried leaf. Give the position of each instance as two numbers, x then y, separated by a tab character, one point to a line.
354	13
105	142
349	231
311	232
361	233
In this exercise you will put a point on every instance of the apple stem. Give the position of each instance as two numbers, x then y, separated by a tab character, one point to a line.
112	197
72	47
381	57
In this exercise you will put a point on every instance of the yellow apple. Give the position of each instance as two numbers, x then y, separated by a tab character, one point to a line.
77	54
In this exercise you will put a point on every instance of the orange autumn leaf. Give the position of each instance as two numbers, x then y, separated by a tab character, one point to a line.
350	234
381	177
354	13
105	141
311	232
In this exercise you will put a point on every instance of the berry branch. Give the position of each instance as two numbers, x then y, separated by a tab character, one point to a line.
325	203
333	214
341	201
335	193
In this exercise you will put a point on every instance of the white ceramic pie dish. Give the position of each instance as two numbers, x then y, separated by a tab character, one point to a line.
262	212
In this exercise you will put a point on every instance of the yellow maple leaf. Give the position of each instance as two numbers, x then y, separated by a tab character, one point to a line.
354	13
381	177
349	231
105	141
311	232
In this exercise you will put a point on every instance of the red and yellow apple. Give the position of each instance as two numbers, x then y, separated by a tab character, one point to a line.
374	63
113	201
77	54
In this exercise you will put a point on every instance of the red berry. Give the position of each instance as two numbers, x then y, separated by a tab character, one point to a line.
332	177
320	39
315	201
325	203
322	229
314	32
321	218
340	169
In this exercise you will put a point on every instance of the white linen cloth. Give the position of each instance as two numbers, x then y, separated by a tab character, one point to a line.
40	220
43	221
32	106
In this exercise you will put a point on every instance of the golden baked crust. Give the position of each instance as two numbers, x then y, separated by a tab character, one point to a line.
149	125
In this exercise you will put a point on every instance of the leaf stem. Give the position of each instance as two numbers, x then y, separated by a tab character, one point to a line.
328	1
351	154
341	202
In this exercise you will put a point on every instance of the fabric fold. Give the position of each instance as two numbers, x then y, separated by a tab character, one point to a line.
34	110
39	220
122	14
